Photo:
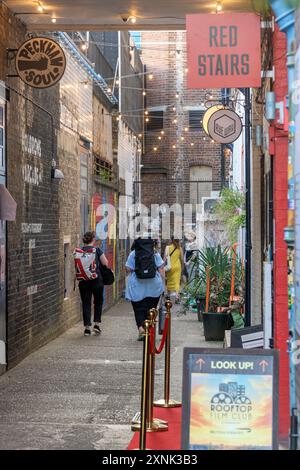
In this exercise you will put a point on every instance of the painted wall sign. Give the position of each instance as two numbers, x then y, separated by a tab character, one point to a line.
224	126
224	50
230	399
40	62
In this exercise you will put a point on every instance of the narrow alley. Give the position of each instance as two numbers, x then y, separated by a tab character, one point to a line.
82	393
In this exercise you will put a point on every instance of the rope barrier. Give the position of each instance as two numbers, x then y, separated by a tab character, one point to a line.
163	340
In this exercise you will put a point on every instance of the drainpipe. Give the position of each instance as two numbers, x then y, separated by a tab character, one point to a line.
285	18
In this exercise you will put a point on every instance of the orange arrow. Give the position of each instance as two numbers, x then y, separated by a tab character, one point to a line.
200	362
263	364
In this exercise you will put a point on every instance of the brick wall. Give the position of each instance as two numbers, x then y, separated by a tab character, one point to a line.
34	314
164	55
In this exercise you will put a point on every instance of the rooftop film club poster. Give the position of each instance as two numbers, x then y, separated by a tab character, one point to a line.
231	409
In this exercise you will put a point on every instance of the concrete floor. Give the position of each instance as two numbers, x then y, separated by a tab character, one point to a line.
81	393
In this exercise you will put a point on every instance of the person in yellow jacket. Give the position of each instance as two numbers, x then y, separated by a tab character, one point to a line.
173	275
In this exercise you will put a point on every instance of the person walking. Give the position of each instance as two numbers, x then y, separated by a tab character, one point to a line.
174	252
88	260
145	282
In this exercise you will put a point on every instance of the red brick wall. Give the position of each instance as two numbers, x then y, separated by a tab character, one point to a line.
280	247
164	55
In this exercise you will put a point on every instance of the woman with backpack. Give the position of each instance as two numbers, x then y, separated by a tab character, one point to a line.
174	260
88	261
145	282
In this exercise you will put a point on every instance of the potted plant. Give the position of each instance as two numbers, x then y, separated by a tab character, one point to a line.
193	294
218	266
231	211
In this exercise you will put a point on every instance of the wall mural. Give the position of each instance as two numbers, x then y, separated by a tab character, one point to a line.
103	222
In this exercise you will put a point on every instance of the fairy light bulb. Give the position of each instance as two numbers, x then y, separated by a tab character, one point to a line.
40	7
146	113
219	7
175	121
109	90
147	119
155	149
162	132
159	137
186	129
140	135
117	82
186	70
174	146
151	76
192	144
144	93
53	20
182	139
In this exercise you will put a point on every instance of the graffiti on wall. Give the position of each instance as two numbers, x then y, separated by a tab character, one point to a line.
104	223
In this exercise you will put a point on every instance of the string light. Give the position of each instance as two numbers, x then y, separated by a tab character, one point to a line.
140	135
109	90
40	7
144	93
192	144
83	47
162	132
219	7
132	19
177	95
182	138
151	76
175	121
174	146
117	82
186	129
159	137
155	149
53	20
186	70
173	109
146	112
147	119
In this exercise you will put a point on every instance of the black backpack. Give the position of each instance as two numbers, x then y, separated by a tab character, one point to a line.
145	267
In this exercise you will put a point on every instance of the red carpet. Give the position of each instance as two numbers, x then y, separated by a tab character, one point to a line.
169	440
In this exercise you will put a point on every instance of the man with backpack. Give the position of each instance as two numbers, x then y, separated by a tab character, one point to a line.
89	261
145	283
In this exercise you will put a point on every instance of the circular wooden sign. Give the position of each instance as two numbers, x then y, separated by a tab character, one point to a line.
224	126
40	62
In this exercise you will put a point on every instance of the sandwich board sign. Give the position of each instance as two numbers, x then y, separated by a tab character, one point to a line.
230	399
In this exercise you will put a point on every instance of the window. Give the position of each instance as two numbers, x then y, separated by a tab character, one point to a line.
102	169
195	119
202	175
156	121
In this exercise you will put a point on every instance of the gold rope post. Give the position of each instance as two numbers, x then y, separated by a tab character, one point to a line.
145	387
167	402
153	424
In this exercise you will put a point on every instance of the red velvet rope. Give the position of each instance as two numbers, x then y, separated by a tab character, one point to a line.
163	340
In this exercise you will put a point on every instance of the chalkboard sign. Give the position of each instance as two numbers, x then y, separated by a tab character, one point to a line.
230	399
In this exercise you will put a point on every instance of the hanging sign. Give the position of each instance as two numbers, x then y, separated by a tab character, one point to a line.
40	62
222	124
224	50
230	399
